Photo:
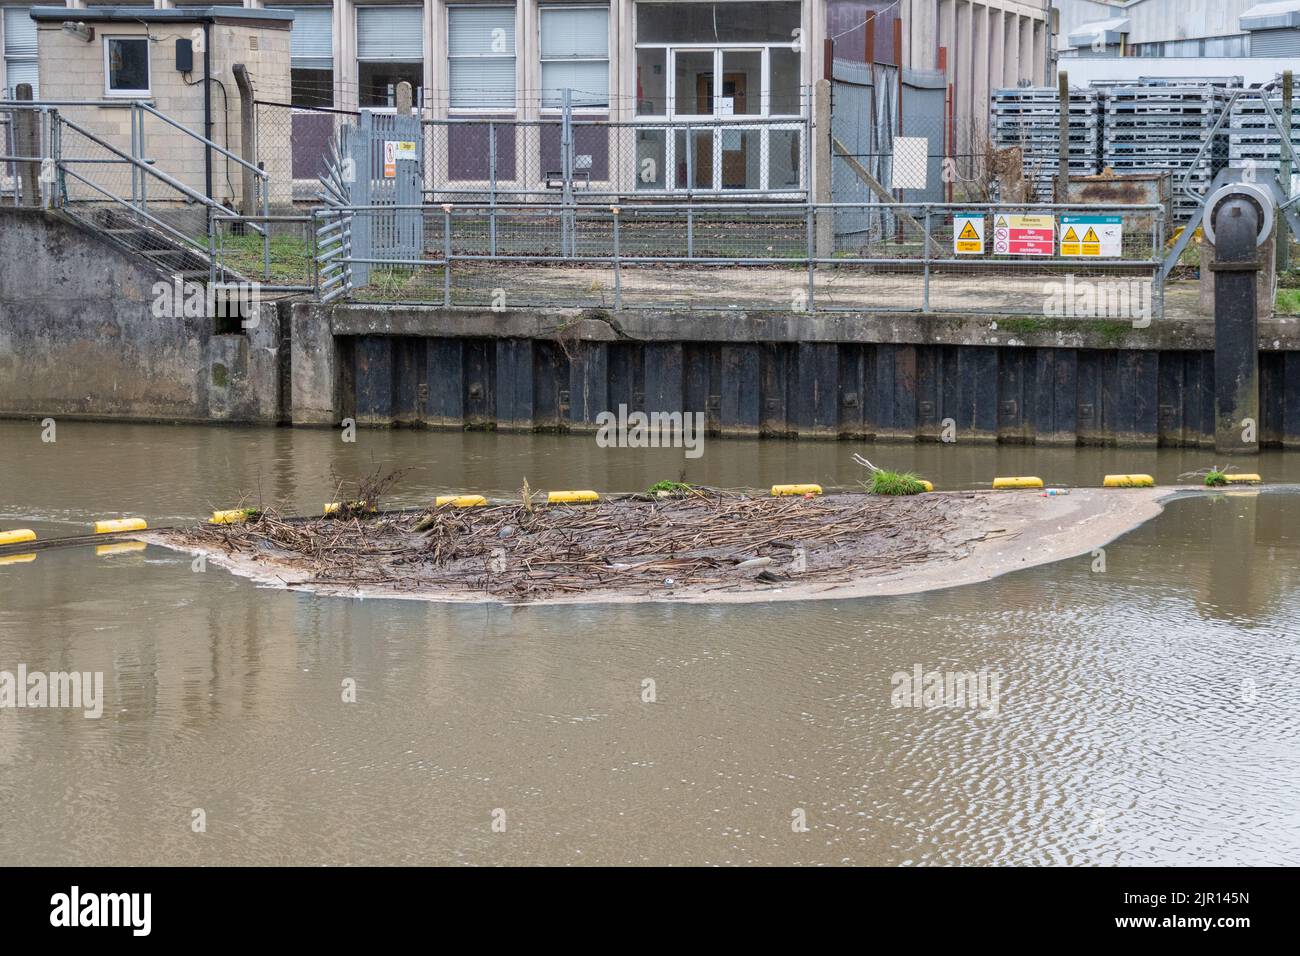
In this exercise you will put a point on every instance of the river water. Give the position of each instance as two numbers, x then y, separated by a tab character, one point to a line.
1145	714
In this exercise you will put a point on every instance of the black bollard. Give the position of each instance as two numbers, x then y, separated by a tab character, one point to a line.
1236	337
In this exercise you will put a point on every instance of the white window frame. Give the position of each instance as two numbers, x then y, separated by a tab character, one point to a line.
672	120
148	63
606	59
513	57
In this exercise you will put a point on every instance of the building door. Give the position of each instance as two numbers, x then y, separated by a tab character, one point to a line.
734	162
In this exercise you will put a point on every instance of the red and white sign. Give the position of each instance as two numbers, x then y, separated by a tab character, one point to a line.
1024	235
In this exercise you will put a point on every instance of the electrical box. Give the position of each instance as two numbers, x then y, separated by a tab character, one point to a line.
184	56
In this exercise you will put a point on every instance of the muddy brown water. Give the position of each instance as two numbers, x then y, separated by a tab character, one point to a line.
1147	713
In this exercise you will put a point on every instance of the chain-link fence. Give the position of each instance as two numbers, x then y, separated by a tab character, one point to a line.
1070	261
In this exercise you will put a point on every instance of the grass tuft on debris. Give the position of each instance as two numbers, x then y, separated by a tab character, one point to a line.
885	482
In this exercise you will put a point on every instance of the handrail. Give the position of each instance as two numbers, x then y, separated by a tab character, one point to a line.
203	139
141	164
42	104
142	212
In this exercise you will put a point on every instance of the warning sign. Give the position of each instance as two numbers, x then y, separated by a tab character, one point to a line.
1092	236
968	233
1024	235
395	149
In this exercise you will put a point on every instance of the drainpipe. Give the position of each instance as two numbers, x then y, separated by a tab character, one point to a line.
207	107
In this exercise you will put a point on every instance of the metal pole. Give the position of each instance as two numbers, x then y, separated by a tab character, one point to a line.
811	253
1063	161
618	271
1283	259
566	170
135	154
266	224
925	252
690	161
492	195
446	256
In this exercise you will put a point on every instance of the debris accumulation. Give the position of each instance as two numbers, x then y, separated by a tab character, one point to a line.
701	542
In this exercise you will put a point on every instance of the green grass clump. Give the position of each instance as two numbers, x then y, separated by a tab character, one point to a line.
883	482
1215	478
1288	302
672	487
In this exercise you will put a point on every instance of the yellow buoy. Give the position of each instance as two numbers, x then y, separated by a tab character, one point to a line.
17	536
336	507
17	559
459	501
780	491
1243	479
570	497
1020	482
120	547
1128	481
233	516
926	485
120	524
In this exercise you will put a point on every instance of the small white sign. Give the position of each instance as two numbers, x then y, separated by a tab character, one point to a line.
911	160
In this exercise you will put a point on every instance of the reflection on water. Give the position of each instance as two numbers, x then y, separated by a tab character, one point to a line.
1148	714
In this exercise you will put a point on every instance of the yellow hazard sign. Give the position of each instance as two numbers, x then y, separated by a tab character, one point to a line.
1103	236
968	234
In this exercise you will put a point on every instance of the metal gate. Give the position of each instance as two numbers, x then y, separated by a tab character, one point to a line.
383	170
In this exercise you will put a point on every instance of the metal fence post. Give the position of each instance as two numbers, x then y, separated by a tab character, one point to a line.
811	255
266	224
212	248
492	183
618	271
566	171
135	154
690	233
446	256
1158	291
925	258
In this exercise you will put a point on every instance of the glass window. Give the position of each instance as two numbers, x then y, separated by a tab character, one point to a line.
20	49
575	55
717	22
742	83
311	87
126	64
481	57
390	49
694	79
650	158
785	91
783	159
652	82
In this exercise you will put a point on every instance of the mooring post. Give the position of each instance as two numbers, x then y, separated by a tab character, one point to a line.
1236	338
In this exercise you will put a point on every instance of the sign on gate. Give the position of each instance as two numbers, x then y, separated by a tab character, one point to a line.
1024	235
968	233
1092	236
395	149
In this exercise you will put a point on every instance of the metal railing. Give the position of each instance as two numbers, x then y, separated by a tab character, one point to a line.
107	179
756	256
